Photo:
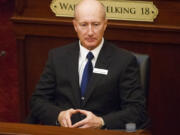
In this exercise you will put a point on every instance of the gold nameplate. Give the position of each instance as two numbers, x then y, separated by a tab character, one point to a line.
115	10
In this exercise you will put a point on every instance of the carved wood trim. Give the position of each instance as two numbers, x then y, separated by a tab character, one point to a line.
111	24
115	31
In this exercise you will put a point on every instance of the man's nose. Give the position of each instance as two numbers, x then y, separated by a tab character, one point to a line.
90	30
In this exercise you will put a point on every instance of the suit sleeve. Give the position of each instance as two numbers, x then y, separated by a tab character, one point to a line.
42	102
132	99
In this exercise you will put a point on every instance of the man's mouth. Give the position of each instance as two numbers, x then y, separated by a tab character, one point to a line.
90	39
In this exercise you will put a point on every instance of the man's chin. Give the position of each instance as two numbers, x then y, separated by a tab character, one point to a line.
91	46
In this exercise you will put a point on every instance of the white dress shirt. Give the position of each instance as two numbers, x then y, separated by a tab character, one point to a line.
83	60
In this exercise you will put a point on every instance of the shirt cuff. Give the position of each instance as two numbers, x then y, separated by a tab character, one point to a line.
103	124
57	123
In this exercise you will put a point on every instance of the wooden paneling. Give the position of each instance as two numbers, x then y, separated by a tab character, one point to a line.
38	30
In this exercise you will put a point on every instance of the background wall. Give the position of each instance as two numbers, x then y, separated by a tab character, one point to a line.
9	94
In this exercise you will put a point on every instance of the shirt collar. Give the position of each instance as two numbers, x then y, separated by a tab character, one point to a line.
84	51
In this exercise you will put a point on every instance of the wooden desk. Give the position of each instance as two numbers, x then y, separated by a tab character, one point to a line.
28	129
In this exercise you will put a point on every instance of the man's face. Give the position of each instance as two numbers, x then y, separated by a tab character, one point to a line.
90	27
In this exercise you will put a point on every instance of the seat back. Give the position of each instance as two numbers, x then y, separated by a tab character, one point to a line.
144	64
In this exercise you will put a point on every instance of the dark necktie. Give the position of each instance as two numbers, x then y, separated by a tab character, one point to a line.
86	73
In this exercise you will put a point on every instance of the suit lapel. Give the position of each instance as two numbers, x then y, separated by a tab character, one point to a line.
103	62
73	73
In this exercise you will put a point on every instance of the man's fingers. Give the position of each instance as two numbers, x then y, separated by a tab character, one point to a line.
65	117
83	111
91	120
73	111
85	126
64	123
80	123
68	115
69	123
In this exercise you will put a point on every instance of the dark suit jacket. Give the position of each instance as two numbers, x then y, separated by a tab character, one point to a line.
117	97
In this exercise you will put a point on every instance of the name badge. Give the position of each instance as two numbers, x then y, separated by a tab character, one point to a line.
100	71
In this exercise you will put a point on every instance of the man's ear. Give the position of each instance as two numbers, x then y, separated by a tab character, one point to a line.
75	24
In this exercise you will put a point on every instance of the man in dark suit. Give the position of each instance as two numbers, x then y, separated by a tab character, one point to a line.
112	96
